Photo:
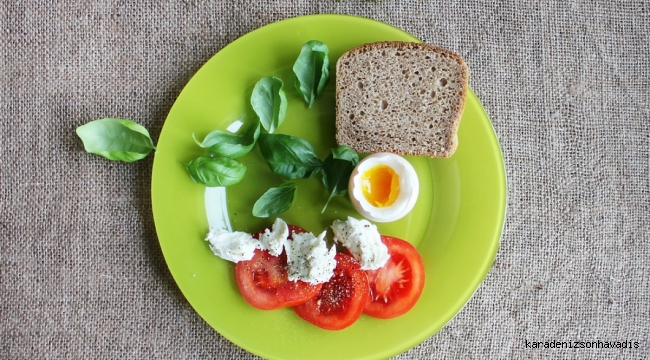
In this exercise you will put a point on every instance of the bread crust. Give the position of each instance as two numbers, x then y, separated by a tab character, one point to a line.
401	97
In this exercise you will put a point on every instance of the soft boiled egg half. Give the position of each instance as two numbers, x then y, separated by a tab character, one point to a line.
384	187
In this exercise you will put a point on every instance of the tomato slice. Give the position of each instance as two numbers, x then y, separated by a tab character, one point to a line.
341	300
264	282
397	286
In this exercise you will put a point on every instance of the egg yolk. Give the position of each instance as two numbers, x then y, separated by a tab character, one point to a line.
380	185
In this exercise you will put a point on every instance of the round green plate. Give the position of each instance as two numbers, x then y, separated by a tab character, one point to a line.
456	224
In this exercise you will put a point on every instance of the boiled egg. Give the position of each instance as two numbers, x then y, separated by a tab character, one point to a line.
383	187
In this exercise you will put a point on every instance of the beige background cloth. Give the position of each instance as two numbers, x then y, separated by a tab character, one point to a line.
566	84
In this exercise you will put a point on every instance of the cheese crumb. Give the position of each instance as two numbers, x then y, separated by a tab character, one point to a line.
273	240
308	258
363	240
232	246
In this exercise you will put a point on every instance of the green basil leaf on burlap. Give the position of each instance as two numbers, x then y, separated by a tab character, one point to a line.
116	139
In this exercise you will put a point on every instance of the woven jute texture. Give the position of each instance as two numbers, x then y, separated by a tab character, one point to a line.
565	83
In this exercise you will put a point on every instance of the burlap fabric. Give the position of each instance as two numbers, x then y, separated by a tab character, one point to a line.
566	84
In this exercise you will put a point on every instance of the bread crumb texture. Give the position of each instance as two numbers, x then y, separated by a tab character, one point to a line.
400	97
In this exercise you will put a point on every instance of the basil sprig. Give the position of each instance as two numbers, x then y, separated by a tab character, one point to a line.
289	156
275	200
294	158
311	70
337	169
116	139
223	143
269	102
215	171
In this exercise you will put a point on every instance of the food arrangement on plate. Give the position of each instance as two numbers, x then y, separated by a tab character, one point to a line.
392	99
455	224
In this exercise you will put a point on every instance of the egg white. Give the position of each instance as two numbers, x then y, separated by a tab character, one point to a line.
409	186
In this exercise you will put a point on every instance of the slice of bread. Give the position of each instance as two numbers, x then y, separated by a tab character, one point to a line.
400	97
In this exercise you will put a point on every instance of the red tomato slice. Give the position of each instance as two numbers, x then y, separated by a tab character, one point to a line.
264	283
341	300
397	286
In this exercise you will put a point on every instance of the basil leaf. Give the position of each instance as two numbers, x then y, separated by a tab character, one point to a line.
269	102
311	70
116	139
289	156
223	143
215	171
337	169
345	153
275	200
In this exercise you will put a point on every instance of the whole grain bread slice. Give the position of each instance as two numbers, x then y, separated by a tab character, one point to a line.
400	97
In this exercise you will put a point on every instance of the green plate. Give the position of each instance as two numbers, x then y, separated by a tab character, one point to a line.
456	224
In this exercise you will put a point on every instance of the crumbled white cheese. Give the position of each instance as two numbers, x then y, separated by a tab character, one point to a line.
232	246
273	240
308	258
363	240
